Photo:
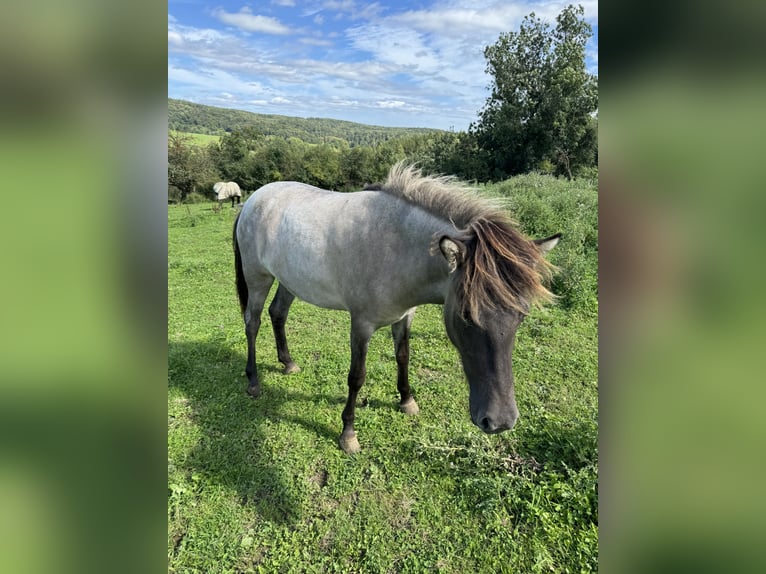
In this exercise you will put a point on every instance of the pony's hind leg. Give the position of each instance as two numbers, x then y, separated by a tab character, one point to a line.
252	316
278	311
401	332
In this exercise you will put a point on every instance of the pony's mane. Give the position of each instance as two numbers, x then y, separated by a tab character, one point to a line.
502	268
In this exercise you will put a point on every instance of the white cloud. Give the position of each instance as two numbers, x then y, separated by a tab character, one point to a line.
343	103
174	38
246	20
458	21
213	80
389	104
396	45
186	36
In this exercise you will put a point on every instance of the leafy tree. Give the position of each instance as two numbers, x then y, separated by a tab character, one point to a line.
322	163
189	167
386	155
232	156
358	166
179	155
542	98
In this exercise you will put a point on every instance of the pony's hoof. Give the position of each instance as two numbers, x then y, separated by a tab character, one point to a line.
254	391
410	407
349	444
291	369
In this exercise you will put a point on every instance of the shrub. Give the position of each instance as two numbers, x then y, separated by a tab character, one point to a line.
174	194
196	197
544	205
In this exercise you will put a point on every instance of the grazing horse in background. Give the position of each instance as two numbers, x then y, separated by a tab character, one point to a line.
226	190
380	253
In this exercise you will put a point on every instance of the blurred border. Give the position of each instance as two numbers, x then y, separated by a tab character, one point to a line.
682	132
84	291
83	354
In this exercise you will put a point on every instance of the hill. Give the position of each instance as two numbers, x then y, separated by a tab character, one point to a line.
186	116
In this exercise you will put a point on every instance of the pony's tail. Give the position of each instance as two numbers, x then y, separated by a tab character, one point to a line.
241	283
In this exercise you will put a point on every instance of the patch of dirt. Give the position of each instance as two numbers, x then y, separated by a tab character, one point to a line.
319	478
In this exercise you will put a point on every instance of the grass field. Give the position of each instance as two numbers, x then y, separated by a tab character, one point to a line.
198	139
261	486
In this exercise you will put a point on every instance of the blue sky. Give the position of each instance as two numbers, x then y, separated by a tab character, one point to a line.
406	64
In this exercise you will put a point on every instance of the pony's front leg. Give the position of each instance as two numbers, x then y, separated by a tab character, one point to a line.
401	332
360	340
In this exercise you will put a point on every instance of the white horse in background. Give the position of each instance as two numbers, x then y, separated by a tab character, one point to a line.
227	190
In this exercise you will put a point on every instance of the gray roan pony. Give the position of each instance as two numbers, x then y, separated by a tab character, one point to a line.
380	253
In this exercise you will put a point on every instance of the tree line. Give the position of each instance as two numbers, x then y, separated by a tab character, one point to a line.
197	118
541	116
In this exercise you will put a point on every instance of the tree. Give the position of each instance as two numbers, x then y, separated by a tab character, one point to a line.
189	167
542	98
232	156
322	164
357	167
179	173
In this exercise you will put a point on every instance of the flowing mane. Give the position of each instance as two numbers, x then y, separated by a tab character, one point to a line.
502	267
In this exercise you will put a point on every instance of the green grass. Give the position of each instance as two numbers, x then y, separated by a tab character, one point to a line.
198	139
261	486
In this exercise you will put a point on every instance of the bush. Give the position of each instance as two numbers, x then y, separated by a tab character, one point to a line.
544	205
174	194
196	197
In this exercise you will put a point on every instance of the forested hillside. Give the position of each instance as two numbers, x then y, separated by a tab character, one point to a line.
189	117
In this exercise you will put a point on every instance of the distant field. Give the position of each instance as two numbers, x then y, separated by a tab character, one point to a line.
198	139
261	486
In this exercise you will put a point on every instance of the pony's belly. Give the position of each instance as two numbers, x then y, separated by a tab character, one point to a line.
326	300
313	290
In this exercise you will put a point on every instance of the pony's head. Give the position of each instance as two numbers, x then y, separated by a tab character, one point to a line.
496	275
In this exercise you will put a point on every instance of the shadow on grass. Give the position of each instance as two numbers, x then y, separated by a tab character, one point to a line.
236	449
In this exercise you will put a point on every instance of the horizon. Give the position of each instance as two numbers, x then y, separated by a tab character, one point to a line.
305	117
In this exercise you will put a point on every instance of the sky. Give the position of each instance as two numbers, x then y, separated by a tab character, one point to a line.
399	64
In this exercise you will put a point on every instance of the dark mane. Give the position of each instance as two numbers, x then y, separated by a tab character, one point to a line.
502	268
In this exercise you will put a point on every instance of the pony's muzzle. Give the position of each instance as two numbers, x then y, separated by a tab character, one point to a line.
498	422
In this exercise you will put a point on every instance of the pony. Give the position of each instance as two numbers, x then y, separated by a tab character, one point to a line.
226	190
378	254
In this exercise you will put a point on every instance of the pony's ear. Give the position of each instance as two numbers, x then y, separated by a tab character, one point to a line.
545	245
453	251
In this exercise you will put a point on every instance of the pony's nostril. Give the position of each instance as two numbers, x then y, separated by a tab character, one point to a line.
493	426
